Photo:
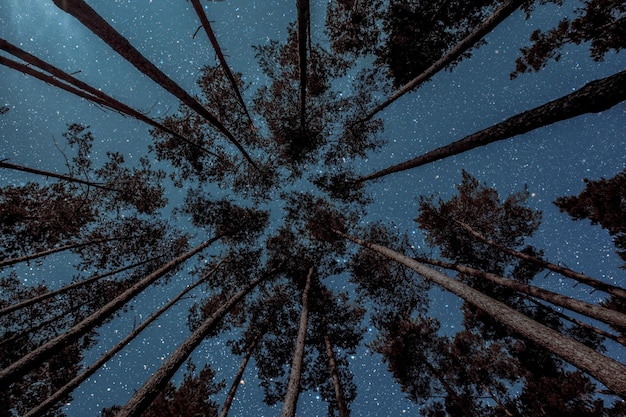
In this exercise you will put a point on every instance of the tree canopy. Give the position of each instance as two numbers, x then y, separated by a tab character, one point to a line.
236	230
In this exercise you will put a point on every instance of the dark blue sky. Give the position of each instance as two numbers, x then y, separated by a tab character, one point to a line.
478	93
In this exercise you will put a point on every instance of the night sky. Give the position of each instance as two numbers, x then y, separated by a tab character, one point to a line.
552	161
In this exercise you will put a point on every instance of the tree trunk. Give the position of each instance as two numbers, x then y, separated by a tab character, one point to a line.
142	398
4	164
582	278
95	23
80	88
304	17
606	370
220	56
13	261
78	284
497	17
603	314
295	374
334	372
54	346
64	391
242	367
603	333
594	97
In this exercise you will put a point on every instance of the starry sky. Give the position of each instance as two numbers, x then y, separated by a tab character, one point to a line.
552	161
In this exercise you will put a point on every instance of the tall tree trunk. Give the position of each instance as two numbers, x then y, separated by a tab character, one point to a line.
142	398
603	333
497	17
54	346
65	289
606	370
594	97
334	372
295	373
220	56
597	312
95	23
582	278
242	367
80	88
304	16
64	391
19	259
22	168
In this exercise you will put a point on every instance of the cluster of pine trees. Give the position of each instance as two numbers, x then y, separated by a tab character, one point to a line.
261	278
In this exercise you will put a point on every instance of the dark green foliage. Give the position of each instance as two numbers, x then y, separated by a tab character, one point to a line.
599	23
191	399
231	222
394	291
506	222
602	202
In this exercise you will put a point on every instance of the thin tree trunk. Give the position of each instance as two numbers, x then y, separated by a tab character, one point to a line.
497	400
603	333
582	278
295	373
594	97
497	17
606	370
64	391
95	23
65	289
597	312
80	88
334	372
304	16
142	398
22	168
13	261
49	349
242	367
220	56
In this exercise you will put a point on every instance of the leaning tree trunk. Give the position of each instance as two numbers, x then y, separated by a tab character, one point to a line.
582	278
68	178
497	17
242	367
594	97
64	391
334	372
142	398
295	373
220	55
49	294
54	346
597	312
95	23
59	78
304	17
32	256
606	370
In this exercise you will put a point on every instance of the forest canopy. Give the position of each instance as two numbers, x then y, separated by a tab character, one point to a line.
237	239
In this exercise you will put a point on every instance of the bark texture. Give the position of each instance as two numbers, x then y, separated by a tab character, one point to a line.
497	17
295	373
597	312
142	398
606	370
37	356
594	97
95	23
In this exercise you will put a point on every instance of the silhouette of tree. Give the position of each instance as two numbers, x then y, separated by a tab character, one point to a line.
602	202
597	23
191	399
